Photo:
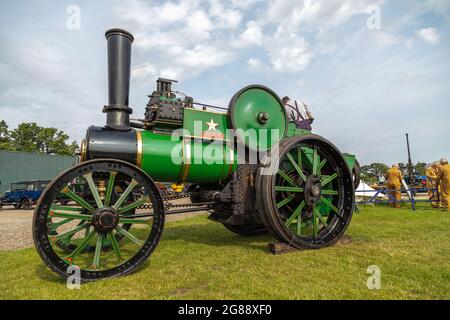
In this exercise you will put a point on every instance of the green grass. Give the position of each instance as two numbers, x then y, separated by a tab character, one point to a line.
200	259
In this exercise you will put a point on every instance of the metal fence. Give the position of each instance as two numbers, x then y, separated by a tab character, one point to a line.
389	198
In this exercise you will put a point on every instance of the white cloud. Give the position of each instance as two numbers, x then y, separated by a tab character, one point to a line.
320	15
288	52
199	24
252	34
225	17
385	39
254	63
202	57
169	73
430	35
143	71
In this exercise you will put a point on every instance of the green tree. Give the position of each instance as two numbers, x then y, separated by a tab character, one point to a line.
5	139
29	137
374	172
420	168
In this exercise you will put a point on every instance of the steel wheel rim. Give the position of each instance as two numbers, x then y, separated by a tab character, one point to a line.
285	194
117	258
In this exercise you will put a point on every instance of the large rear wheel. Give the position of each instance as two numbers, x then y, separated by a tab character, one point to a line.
104	239
307	200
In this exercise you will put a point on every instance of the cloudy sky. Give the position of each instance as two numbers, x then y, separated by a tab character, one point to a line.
371	70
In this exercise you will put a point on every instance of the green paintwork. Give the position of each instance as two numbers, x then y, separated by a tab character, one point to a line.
208	162
245	113
195	122
199	127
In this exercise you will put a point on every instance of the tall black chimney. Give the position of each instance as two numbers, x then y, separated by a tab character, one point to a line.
119	63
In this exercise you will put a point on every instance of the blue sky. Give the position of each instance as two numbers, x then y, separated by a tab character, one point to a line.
367	87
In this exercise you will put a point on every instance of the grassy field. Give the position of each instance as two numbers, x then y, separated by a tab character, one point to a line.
200	259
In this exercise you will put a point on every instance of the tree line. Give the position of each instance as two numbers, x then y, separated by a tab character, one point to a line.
29	137
376	172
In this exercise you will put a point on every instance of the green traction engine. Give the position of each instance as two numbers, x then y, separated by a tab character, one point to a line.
252	169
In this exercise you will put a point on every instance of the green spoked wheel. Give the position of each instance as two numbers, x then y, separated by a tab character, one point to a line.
96	231
307	200
55	224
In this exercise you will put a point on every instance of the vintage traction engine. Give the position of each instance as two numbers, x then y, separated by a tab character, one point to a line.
263	176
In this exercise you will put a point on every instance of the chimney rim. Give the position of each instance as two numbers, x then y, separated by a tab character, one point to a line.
118	31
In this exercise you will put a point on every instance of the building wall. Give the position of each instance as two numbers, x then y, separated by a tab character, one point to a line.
18	166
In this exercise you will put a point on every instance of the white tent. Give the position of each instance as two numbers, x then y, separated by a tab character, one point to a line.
365	191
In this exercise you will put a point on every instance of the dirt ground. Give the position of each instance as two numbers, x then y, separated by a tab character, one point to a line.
15	226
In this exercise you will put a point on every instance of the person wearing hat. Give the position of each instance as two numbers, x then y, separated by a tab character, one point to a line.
443	179
298	113
394	180
431	173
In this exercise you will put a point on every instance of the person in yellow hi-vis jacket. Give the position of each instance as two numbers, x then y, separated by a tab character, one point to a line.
431	184
394	183
444	180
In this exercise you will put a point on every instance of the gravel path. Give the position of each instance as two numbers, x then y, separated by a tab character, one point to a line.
15	226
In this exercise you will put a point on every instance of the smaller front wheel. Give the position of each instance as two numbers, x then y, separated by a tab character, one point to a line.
105	237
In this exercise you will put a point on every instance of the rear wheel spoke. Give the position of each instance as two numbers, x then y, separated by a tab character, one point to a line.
321	165
288	189
286	177
329	203
299	158
295	214
295	165
316	160
314	221
326	180
285	201
319	216
330	192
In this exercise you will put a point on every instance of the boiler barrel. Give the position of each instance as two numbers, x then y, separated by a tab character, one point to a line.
163	157
184	160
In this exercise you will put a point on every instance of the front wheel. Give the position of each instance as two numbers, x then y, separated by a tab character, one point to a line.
120	241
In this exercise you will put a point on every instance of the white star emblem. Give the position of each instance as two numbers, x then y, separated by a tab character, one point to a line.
211	125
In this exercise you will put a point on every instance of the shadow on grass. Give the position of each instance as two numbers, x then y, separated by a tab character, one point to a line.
210	235
44	273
